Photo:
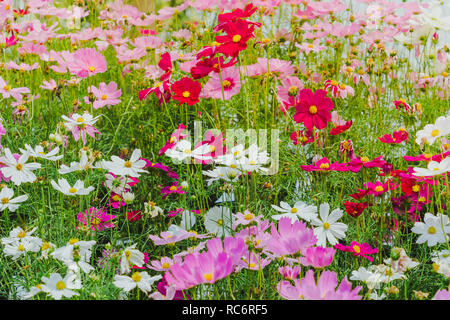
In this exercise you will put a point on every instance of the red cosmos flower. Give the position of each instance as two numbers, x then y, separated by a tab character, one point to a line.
341	129
235	40
401	104
427	157
186	90
233	16
397	137
304	137
354	208
358	249
360	194
313	109
11	41
166	65
209	64
161	90
324	165
135	215
357	163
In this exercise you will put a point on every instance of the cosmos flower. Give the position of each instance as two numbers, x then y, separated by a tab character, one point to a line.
363	249
186	91
313	109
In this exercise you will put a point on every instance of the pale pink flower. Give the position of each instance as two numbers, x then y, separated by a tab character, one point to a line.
105	94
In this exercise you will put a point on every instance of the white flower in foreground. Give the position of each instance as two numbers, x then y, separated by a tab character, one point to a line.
183	150
327	228
121	167
130	256
219	220
38	152
254	160
431	132
19	248
18	234
77	189
433	230
227	174
75	255
434	168
140	279
58	287
79	120
8	202
17	169
298	210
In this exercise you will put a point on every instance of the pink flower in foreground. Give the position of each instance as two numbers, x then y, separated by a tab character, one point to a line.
86	62
317	257
325	289
199	268
378	188
96	219
442	295
230	84
363	249
290	238
396	137
105	94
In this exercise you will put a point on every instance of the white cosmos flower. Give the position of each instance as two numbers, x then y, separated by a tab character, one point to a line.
121	167
183	150
59	287
18	248
142	280
254	160
82	165
18	234
116	184
8	202
298	210
18	170
431	132
433	168
77	189
219	220
327	228
227	174
433	16
415	37
433	230
79	120
130	256
187	220
38	152
75	255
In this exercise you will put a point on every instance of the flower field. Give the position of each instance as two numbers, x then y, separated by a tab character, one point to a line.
224	150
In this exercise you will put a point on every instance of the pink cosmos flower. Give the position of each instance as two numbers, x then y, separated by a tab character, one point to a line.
174	188
86	62
356	164
313	109
7	91
235	248
442	295
96	219
363	249
22	66
105	94
174	138
308	47
290	238
289	272
49	85
325	289
81	125
164	263
199	268
324	165
288	92
317	257
246	218
338	90
230	84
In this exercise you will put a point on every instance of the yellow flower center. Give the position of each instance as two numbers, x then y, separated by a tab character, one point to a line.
19	166
220	222
365	159
237	38
313	109
91	69
212	148
104	97
186	94
416	188
334	83
7	88
60	285
252	163
361	72
208	276
310	45
294	210
173	188
21	234
166	265
444	74
136	277
379	189
342	86
21	248
45	246
428	155
72	190
422	199
73	241
127	164
80	119
127	255
326	225
249	216
324	166
116	197
435	133
356	248
226	84
431	230
173	139
5	200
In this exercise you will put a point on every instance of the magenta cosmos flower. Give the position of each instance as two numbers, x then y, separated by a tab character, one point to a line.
105	94
378	188
199	268
313	109
358	249
230	83
325	289
290	238
86	62
96	219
